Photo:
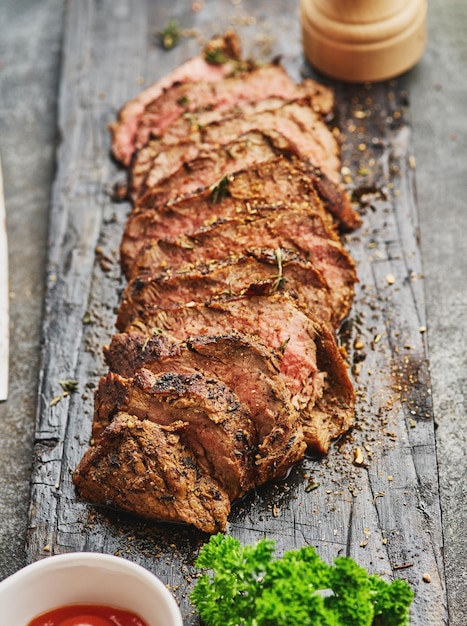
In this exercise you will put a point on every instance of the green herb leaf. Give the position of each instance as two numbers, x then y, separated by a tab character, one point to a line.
87	318
284	345
183	101
68	385
215	56
219	190
170	35
56	400
246	586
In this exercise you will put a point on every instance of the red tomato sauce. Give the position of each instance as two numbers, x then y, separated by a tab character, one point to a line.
87	615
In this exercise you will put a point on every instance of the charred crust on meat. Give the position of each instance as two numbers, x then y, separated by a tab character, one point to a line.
226	366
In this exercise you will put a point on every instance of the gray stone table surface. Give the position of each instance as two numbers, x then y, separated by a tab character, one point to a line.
30	56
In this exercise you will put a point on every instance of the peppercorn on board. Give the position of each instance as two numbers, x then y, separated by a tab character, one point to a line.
374	496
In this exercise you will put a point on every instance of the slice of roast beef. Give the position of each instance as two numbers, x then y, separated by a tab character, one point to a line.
186	129
306	348
219	432
297	122
259	272
286	183
333	412
273	319
130	132
186	218
219	91
144	468
223	374
211	165
306	233
293	181
245	365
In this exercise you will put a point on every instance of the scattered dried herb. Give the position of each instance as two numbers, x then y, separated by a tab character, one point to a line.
279	280
170	35
215	56
219	190
68	386
87	318
283	346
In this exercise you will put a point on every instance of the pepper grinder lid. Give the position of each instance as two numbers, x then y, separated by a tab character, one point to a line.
363	40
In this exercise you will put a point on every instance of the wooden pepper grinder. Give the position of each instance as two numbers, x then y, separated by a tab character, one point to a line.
363	40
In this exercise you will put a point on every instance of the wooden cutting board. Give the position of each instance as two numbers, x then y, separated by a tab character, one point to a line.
383	512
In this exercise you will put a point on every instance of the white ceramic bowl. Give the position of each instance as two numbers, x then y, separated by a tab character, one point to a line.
87	578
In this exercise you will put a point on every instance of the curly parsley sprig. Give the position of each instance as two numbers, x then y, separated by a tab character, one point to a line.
246	586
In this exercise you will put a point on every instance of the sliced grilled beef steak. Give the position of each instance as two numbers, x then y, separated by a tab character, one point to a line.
226	367
129	131
333	412
297	122
302	232
145	468
293	181
219	432
245	365
279	182
187	128
211	165
304	347
283	179
259	272
150	116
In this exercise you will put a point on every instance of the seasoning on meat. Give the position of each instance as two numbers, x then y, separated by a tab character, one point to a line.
257	272
310	362
303	232
226	367
241	362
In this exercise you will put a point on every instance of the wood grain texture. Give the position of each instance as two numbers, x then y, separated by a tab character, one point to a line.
384	513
